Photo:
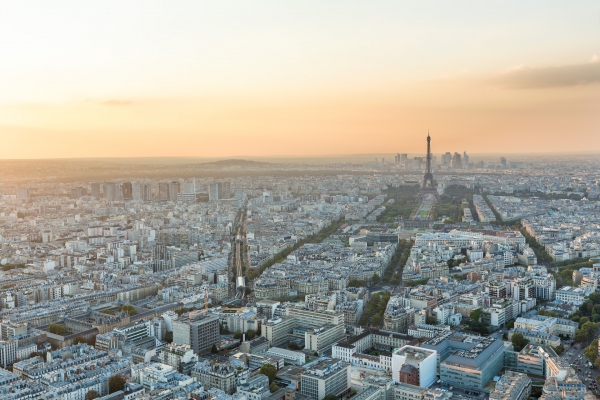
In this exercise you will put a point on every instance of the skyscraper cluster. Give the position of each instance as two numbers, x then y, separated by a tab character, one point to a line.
219	191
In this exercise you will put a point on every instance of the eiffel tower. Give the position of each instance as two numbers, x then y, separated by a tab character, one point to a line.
429	186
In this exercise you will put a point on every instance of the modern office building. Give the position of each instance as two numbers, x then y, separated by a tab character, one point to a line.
146	192
329	376
219	191
321	339
127	189
570	294
544	286
278	330
77	192
468	361
290	356
23	193
414	365
315	319
531	360
163	191
95	189
112	191
198	329
174	189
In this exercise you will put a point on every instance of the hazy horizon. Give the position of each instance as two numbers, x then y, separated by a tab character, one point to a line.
273	158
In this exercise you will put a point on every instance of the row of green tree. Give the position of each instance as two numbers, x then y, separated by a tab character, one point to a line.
404	205
9	266
491	206
57	329
416	282
398	274
395	261
129	309
115	384
539	250
250	334
450	204
586	332
358	282
574	262
476	323
456	261
316	238
270	372
591	353
373	312
588	318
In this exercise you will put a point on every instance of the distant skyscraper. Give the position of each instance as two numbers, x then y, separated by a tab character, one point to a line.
23	194
456	161
163	191
189	188
95	188
127	189
147	192
503	161
142	191
136	191
111	191
213	192
465	159
226	190
219	191
77	192
174	188
447	158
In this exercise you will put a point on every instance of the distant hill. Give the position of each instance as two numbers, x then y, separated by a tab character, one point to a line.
236	163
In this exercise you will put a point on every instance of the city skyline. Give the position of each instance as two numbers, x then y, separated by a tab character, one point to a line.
312	80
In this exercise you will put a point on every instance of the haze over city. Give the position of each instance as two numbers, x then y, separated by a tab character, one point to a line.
270	78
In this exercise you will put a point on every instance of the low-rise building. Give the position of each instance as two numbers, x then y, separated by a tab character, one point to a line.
220	376
512	386
290	356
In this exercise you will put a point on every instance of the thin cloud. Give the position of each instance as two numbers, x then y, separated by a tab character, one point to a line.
110	102
523	77
115	102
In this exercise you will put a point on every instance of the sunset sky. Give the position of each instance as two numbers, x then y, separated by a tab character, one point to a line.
263	78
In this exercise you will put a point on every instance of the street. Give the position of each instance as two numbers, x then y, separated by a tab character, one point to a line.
580	364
